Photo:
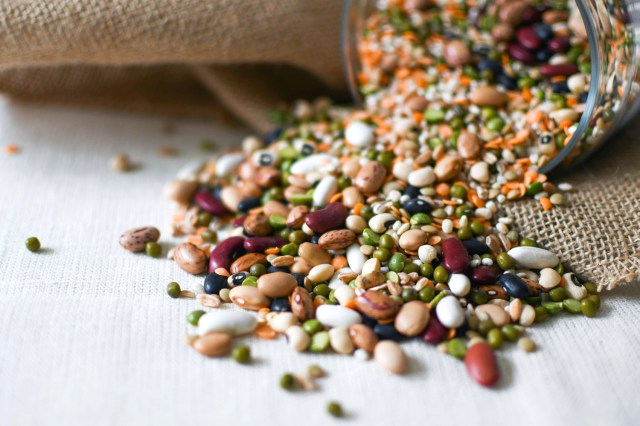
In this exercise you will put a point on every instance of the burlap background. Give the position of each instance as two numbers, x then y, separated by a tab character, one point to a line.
195	56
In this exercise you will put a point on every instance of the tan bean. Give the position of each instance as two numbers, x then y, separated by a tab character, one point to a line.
248	297
313	254
363	337
213	344
448	167
391	357
181	191
277	284
412	318
370	177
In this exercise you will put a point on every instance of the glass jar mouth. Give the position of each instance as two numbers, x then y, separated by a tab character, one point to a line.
349	32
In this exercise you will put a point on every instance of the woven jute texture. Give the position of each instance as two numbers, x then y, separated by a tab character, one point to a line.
175	57
196	56
598	234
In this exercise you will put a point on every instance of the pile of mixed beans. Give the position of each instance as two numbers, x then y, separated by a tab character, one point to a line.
352	230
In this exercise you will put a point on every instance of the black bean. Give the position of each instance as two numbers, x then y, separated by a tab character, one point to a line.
514	286
387	332
489	64
273	136
272	268
237	279
417	205
248	203
299	278
280	304
213	283
543	55
508	82
476	247
560	87
543	31
412	191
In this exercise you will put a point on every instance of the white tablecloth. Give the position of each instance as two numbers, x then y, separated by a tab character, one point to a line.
89	336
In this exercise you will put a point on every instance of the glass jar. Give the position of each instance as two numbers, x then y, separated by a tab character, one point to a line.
572	63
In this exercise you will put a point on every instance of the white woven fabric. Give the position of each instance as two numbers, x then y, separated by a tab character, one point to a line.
89	336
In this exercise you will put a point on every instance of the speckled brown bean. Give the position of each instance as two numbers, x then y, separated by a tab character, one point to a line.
302	304
456	53
488	96
295	218
190	258
275	207
213	344
370	177
376	305
267	177
277	284
336	240
363	337
257	225
417	103
249	297
243	263
249	189
136	239
502	32
512	12
448	167
313	254
468	145
181	191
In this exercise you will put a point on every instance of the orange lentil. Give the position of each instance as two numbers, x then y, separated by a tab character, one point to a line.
12	149
357	208
263	331
339	262
443	189
546	203
222	271
433	240
336	197
195	240
272	250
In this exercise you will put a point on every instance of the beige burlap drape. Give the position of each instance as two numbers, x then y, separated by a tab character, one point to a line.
203	57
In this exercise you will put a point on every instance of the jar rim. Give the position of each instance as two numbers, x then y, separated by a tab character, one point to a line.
350	65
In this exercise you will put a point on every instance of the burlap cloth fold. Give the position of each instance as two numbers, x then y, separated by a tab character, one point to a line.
205	57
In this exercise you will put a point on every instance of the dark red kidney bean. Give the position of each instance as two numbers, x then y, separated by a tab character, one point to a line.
531	16
455	256
210	204
331	217
528	38
260	244
435	332
521	54
481	364
222	255
514	286
558	44
239	221
548	70
485	275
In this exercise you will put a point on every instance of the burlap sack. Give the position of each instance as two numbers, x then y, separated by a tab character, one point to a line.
194	56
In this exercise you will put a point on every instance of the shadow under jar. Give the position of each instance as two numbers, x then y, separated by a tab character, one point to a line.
564	73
